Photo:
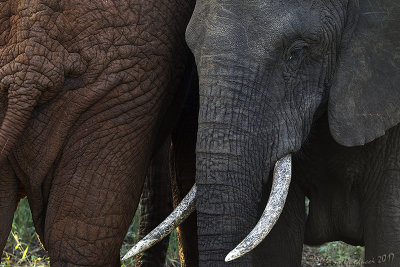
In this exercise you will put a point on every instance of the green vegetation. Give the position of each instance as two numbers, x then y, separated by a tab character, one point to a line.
332	254
23	247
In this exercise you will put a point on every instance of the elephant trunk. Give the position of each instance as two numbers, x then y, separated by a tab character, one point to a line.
226	213
227	197
229	166
31	79
33	67
21	103
238	143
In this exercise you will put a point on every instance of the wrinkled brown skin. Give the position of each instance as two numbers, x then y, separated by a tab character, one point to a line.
85	86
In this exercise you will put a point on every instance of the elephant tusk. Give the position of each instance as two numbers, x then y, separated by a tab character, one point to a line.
280	187
180	213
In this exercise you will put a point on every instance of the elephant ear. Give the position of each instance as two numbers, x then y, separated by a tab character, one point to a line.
364	100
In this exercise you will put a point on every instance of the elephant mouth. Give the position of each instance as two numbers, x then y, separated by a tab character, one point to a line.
280	188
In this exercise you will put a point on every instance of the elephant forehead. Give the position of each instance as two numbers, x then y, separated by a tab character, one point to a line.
256	26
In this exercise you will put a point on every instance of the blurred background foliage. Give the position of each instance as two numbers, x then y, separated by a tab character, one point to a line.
24	249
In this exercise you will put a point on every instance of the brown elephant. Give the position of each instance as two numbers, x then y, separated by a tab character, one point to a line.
88	93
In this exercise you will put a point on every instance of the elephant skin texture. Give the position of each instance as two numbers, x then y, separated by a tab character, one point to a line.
319	79
155	205
89	92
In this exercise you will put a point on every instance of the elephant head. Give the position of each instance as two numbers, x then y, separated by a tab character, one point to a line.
267	70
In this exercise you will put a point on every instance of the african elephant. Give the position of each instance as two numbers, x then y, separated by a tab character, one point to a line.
271	74
268	70
88	93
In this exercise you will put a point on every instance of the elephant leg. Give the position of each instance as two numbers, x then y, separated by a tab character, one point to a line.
156	205
8	202
92	201
382	224
284	245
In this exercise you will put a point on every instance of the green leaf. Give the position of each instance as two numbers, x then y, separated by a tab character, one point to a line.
24	255
15	237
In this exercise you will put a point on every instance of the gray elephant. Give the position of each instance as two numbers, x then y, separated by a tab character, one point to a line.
267	71
316	79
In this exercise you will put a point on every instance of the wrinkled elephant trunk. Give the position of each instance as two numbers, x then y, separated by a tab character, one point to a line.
226	211
29	83
33	67
229	168
21	103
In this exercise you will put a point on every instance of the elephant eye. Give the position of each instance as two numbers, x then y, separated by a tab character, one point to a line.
297	51
295	54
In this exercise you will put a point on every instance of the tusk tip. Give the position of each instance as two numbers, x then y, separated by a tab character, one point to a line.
130	254
127	256
233	255
140	246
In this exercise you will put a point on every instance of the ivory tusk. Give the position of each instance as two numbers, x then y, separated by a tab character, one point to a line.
280	188
180	213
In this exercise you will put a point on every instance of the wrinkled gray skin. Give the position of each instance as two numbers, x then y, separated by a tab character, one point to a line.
353	192
267	71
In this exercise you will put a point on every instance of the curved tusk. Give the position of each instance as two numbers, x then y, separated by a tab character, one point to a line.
180	213
280	187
